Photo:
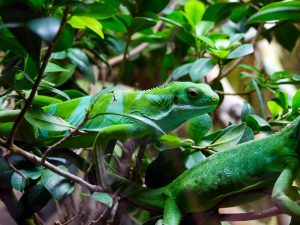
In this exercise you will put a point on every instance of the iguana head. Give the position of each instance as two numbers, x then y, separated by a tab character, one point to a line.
192	96
180	101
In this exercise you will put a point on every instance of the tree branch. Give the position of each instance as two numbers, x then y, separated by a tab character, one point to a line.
251	215
52	45
35	159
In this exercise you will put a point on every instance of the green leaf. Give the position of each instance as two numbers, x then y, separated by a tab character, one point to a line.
97	10
230	138
9	43
218	11
52	67
281	75
222	44
201	67
104	198
181	71
61	78
170	141
148	7
257	123
194	11
81	22
203	27
38	118
274	108
46	28
65	39
296	101
199	126
253	83
285	10
283	99
240	51
58	186
194	158
141	23
247	109
18	182
207	41
80	59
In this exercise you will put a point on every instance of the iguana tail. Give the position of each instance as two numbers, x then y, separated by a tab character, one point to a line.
144	197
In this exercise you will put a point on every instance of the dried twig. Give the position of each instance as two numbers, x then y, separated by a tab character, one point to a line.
52	45
35	159
274	211
238	93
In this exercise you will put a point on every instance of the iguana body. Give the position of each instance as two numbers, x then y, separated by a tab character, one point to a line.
271	162
167	106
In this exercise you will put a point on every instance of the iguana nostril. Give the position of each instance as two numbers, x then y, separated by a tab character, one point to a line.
214	98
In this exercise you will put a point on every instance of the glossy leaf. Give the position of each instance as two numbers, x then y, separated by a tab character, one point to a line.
18	182
283	99
58	186
82	22
194	11
296	101
257	123
199	126
46	28
101	197
38	118
203	27
181	71
9	43
274	108
141	23
61	78
247	109
80	59
65	39
52	67
240	51
98	10
285	10
201	68
230	138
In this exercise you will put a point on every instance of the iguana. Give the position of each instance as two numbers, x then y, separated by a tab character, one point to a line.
267	164
168	106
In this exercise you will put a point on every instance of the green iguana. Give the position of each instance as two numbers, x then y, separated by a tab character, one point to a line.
167	106
268	164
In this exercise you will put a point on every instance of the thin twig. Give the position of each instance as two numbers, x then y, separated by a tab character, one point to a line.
35	159
52	45
6	158
251	215
48	151
238	93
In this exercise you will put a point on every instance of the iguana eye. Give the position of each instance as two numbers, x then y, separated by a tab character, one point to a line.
193	93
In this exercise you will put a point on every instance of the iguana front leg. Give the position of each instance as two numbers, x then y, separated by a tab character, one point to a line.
172	213
282	191
101	142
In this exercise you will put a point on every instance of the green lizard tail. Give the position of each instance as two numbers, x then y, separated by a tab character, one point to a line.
144	197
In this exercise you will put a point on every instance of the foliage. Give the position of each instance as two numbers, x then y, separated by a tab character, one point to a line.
54	51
